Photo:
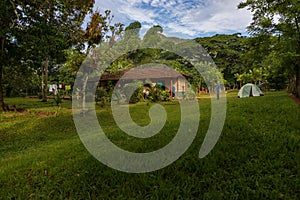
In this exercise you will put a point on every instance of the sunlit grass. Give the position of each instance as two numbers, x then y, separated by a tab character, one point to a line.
257	156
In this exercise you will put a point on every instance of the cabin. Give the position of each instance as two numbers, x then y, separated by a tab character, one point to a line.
163	77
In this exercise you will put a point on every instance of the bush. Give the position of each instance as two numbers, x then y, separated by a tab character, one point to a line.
189	95
101	96
58	99
116	96
137	94
157	94
165	95
100	93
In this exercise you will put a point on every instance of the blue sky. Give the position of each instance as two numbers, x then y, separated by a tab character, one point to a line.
181	18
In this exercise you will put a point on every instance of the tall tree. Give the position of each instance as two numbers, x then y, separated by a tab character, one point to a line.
8	16
99	30
279	17
51	27
42	29
227	52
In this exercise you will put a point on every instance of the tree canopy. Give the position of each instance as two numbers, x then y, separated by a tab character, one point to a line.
42	40
278	19
41	30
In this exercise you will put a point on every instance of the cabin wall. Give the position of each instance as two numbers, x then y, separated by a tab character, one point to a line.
180	84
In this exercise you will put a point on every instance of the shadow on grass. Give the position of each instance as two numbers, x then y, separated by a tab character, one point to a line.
32	103
257	157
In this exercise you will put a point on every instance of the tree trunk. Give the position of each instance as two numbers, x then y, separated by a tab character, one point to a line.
2	105
84	84
297	85
297	89
45	79
297	81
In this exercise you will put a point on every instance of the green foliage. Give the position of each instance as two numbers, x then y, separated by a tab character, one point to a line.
158	94
101	96
165	95
133	28
152	37
99	29
279	20
189	95
67	72
227	52
58	99
117	96
34	34
134	91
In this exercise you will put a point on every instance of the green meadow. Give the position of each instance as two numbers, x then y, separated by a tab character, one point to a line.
256	157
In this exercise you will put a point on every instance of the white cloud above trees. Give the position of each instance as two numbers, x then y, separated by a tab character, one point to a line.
181	18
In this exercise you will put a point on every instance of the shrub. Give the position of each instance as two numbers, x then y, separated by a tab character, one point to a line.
165	95
157	94
116	96
137	94
58	99
189	95
101	96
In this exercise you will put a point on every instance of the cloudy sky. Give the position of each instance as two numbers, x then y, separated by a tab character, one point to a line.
181	18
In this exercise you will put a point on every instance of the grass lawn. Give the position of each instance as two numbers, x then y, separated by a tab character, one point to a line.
256	157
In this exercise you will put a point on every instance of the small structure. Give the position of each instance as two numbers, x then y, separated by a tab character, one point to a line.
163	77
249	90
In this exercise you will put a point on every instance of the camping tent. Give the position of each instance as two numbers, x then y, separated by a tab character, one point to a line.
249	90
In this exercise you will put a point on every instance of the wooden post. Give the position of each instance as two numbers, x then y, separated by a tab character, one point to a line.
171	89
177	87
186	87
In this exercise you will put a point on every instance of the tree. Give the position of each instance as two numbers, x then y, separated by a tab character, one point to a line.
281	18
50	27
67	72
8	16
153	36
99	30
42	29
227	52
20	79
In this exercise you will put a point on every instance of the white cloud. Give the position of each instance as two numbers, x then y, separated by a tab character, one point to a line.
141	15
217	17
188	18
173	27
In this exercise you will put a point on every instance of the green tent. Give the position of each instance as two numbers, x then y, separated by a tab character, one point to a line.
250	90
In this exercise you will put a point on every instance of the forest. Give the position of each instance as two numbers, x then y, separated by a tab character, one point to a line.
45	42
